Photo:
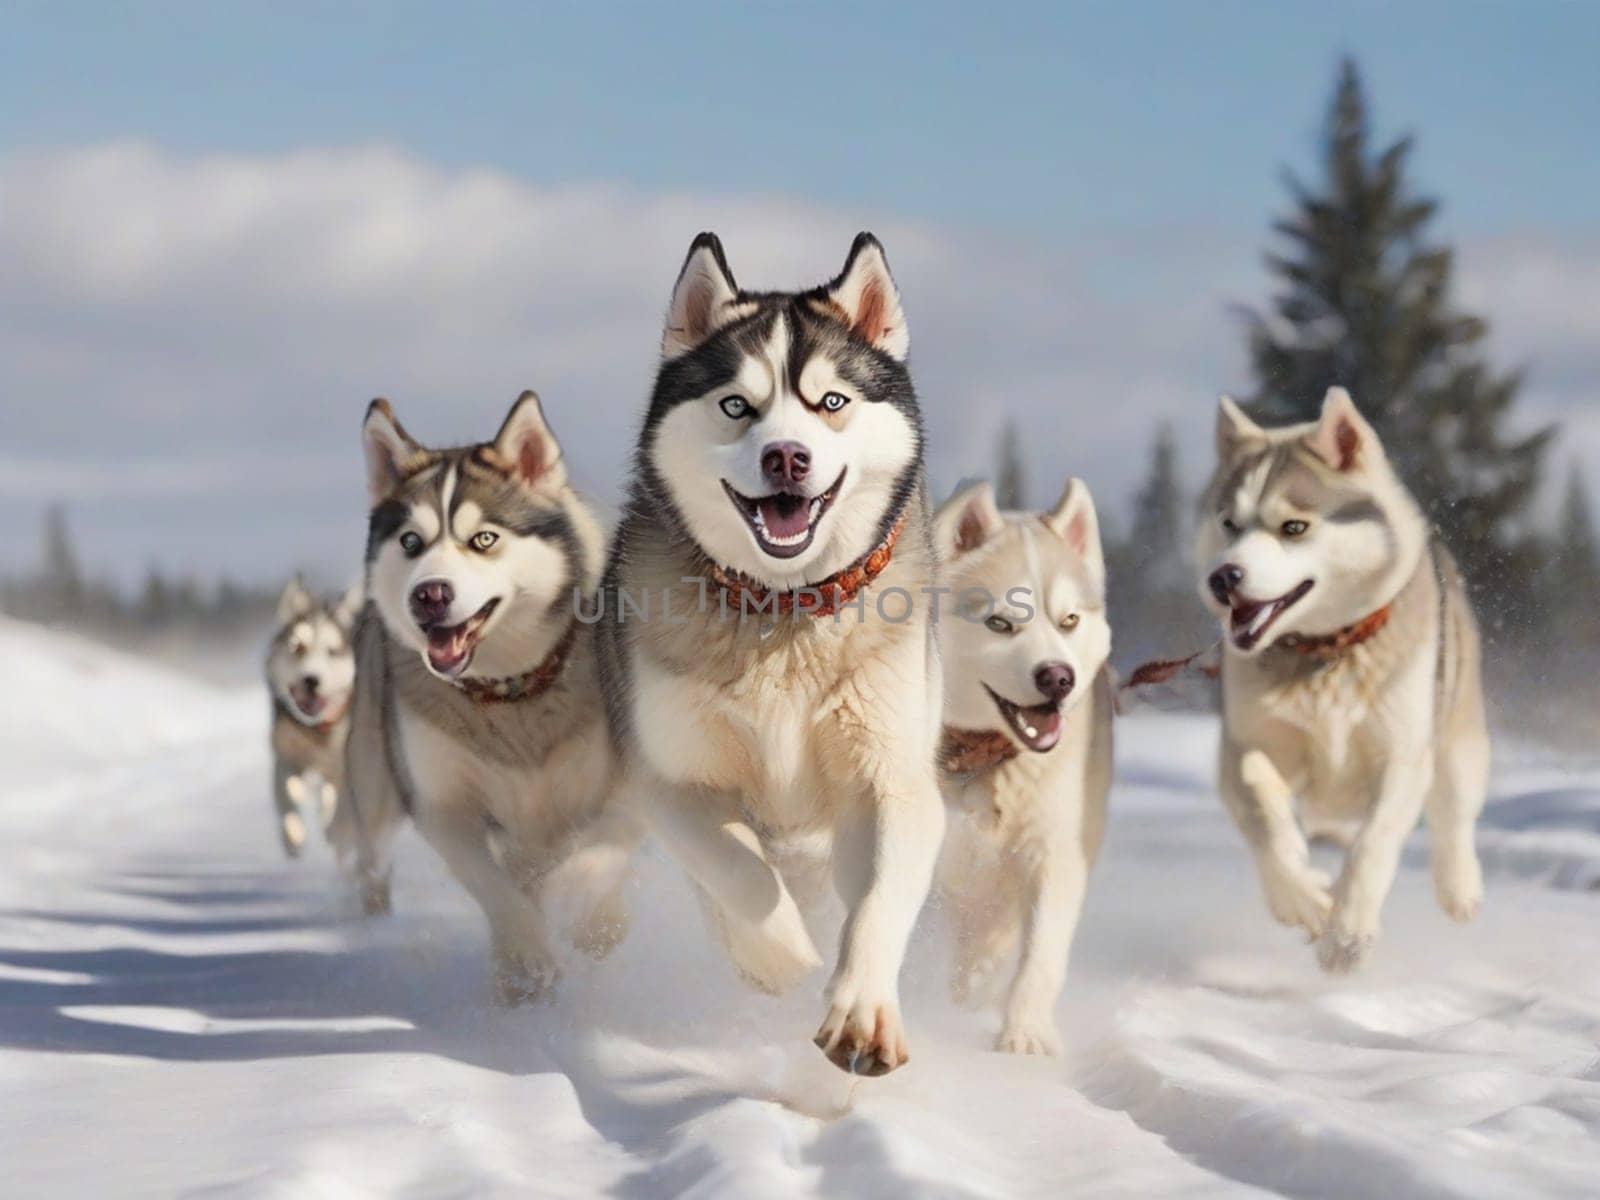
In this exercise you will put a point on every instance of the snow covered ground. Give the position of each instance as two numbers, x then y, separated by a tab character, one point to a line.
184	1013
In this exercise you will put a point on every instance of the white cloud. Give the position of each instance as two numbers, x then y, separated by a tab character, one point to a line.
188	343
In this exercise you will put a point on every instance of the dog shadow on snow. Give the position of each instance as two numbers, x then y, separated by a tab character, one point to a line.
172	962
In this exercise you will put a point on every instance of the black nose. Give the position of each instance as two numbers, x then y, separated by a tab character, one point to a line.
1054	679
430	600
1224	581
785	463
311	683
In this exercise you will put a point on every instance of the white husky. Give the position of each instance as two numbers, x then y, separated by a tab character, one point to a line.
1350	672
1026	753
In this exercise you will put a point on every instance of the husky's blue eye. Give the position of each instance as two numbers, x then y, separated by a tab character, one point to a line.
735	406
834	401
998	624
1294	528
411	543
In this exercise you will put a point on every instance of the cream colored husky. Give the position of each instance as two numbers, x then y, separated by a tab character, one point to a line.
1026	754
310	673
477	707
1350	672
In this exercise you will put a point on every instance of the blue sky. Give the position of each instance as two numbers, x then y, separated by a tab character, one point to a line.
1021	114
223	227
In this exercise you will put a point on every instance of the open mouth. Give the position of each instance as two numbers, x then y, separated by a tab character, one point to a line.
1249	620
1038	726
450	647
310	704
783	522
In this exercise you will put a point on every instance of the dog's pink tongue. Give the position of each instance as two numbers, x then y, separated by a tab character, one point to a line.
784	516
447	649
1048	726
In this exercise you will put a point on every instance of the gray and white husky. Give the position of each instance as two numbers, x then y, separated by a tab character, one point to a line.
477	707
779	469
1350	672
1026	753
310	672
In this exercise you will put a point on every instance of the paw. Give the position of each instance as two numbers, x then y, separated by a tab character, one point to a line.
330	805
773	956
862	1034
1029	1037
1459	889
1344	946
375	899
775	973
602	929
293	830
971	982
1300	898
514	985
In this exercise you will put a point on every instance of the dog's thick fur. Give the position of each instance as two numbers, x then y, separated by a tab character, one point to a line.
516	795
755	737
310	671
1371	729
1024	831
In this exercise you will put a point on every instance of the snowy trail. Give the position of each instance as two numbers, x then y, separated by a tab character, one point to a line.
184	1013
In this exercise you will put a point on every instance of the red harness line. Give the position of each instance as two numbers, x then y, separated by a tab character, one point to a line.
1325	648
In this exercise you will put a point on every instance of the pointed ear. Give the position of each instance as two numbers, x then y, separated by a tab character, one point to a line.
296	601
1234	428
967	520
1342	438
702	299
1075	522
527	449
349	606
866	294
392	453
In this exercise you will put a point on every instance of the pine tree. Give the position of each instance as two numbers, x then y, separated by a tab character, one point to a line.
1364	303
1566	641
1577	554
1010	486
1156	535
1572	579
155	600
61	579
1151	592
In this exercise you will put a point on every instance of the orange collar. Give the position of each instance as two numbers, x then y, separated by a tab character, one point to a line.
527	685
1330	646
969	751
818	599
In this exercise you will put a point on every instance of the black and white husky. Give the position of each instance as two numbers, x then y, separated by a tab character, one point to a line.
310	673
477	707
1350	672
769	662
